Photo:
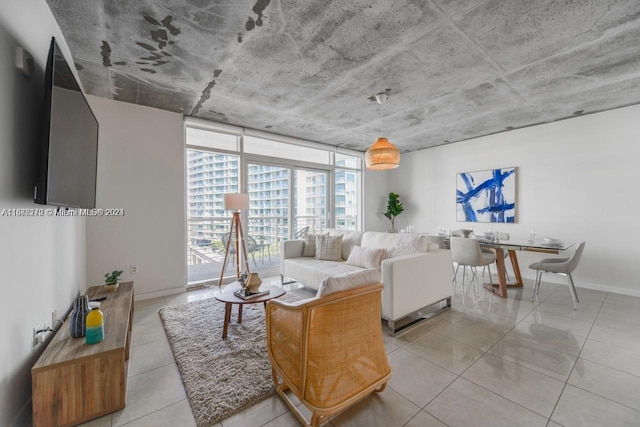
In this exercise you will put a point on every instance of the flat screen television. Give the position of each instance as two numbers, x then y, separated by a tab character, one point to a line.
69	156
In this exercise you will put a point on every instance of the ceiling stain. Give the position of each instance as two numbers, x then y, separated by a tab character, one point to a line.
313	71
161	37
166	22
258	9
146	46
105	51
206	93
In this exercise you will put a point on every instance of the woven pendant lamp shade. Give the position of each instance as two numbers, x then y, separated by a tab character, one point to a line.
382	155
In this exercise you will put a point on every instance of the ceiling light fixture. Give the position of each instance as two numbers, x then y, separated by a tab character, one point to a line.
382	154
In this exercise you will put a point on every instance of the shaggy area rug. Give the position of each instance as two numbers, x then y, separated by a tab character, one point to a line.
221	377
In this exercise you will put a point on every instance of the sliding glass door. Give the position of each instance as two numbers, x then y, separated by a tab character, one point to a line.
209	176
295	188
311	211
268	219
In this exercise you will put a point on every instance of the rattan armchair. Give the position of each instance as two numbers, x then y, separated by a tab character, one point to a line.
328	351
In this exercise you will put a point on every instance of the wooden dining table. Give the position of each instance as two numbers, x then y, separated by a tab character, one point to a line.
511	247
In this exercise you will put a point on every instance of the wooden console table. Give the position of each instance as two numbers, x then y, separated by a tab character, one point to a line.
73	382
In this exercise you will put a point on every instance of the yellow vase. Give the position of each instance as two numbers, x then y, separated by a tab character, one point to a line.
95	325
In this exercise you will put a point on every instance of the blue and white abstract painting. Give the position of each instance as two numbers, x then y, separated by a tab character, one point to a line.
486	196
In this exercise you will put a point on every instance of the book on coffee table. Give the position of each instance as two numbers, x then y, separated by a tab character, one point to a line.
241	294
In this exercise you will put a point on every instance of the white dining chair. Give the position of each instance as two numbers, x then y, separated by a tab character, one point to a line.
467	253
562	266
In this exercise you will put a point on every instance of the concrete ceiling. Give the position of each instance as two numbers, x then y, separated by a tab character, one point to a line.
454	69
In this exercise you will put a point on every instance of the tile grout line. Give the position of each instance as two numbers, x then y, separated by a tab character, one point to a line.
458	376
577	359
524	367
150	413
424	408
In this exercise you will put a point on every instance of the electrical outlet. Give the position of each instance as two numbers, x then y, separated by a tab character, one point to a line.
133	269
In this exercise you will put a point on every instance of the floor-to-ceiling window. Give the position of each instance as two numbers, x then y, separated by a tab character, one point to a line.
295	187
269	199
348	184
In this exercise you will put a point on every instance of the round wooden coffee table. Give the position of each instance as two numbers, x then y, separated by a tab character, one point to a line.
228	298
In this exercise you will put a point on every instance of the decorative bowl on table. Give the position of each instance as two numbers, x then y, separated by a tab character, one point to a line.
482	236
551	241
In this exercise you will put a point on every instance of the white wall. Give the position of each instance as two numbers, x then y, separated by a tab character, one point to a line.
141	170
376	193
42	260
576	180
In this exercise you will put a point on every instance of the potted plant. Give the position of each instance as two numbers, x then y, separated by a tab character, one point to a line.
394	208
111	280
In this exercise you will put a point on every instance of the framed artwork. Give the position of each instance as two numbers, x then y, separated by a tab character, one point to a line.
486	196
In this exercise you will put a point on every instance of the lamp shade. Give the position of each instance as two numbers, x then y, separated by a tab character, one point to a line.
382	155
236	202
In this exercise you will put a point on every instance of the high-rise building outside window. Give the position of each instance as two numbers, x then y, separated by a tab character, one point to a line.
294	188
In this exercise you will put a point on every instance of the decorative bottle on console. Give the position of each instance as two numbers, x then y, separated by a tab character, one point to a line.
77	320
95	324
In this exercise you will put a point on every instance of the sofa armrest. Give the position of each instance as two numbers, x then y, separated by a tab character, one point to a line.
292	248
412	282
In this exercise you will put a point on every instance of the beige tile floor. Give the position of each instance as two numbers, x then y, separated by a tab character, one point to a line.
500	362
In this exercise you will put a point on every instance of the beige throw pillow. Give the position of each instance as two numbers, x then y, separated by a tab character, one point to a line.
406	244
309	245
365	257
329	247
348	281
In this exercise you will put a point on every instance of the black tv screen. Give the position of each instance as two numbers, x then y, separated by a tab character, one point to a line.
69	156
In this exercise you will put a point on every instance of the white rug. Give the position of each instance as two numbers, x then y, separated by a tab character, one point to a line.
221	377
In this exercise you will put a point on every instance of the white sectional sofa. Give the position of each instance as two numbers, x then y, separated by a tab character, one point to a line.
411	282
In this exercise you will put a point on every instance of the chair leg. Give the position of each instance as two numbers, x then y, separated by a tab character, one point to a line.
455	274
536	285
315	420
464	279
491	284
572	289
474	277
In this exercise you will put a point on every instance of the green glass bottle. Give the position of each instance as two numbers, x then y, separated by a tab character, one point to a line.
95	324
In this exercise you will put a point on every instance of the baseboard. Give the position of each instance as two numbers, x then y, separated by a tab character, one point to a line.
24	417
561	280
158	294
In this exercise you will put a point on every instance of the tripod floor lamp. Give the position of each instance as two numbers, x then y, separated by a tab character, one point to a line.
235	202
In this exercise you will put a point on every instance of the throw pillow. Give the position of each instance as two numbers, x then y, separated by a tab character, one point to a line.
329	247
348	281
405	244
365	257
309	245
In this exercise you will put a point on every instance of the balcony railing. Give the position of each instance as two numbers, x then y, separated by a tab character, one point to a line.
205	251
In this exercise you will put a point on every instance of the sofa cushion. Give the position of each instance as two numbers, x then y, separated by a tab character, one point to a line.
310	272
349	239
365	257
329	247
345	282
309	245
378	239
406	244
